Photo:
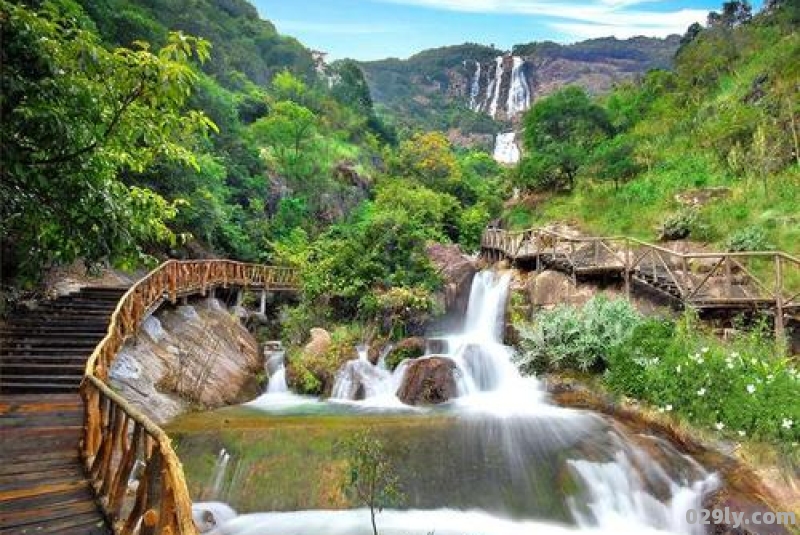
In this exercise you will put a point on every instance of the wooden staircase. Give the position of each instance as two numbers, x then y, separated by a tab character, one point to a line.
44	350
43	353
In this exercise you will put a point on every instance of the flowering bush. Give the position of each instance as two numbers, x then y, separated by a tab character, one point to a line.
741	388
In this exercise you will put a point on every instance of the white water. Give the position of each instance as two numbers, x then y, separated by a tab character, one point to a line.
506	149
519	95
622	490
498	83
475	88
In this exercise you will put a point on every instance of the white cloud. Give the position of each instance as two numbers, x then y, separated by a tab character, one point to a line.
334	28
584	18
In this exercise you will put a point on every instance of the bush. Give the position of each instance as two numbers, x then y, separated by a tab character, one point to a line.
748	239
571	338
742	389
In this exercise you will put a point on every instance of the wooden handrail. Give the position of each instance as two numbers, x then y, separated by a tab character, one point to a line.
124	451
660	267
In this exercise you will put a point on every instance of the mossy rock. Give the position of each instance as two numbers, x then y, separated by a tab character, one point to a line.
409	348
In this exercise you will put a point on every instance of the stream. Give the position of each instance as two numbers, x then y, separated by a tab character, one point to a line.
497	459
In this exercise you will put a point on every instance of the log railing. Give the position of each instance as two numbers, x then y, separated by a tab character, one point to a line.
135	473
700	280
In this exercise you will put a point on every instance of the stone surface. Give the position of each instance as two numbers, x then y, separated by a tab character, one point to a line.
320	342
408	348
429	381
457	270
185	357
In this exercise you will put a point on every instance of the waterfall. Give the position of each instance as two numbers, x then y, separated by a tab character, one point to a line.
498	82
505	148
510	444
519	95
214	489
475	89
276	369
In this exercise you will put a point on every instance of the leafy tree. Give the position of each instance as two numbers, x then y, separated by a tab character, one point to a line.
560	132
75	114
429	158
371	479
615	161
286	132
733	14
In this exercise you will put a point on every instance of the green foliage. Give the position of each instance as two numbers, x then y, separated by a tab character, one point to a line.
76	114
572	338
741	388
371	480
560	131
748	239
400	311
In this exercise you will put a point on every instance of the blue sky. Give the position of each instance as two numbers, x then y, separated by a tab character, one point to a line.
373	29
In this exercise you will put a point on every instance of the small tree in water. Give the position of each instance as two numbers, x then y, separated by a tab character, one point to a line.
371	479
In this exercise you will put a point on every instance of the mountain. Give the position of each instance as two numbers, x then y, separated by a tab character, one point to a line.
445	88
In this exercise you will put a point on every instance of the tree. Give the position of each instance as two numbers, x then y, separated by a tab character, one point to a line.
733	14
75	115
429	158
371	479
615	161
286	133
560	133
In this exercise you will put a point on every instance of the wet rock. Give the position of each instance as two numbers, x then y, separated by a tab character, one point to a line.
320	343
409	348
429	381
457	270
357	379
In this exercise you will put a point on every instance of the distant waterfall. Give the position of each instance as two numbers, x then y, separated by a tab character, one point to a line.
506	149
498	85
476	88
519	96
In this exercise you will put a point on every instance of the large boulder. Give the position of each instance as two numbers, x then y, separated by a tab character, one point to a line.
319	344
550	288
457	270
408	348
185	357
429	381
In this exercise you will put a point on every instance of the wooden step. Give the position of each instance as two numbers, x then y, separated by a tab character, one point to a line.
9	386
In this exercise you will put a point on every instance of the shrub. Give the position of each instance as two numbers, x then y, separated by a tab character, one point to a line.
748	239
574	338
742	389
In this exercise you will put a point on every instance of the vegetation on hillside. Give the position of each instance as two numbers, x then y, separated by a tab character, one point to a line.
726	117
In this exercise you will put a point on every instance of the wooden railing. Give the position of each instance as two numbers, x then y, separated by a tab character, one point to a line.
700	280
135	473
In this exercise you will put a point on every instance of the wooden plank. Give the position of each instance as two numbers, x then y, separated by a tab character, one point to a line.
44	489
46	513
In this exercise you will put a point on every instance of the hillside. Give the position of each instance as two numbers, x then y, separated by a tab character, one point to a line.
706	152
474	89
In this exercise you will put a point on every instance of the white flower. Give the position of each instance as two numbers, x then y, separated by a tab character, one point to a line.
753	362
742	433
704	350
678	368
751	389
701	392
735	355
730	365
668	407
720	426
787	423
770	377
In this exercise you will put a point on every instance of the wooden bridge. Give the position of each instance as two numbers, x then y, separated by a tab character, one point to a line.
704	281
76	457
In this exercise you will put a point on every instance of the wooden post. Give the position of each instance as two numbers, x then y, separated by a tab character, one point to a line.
686	279
628	269
263	307
728	276
779	327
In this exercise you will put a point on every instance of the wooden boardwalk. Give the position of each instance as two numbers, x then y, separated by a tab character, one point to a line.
717	281
77	459
43	485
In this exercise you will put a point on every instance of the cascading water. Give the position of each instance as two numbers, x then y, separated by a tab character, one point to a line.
507	455
519	96
475	89
276	369
498	84
505	148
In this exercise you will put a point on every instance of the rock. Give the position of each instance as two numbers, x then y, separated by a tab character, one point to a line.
457	270
550	288
409	348
200	356
696	198
320	343
429	380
